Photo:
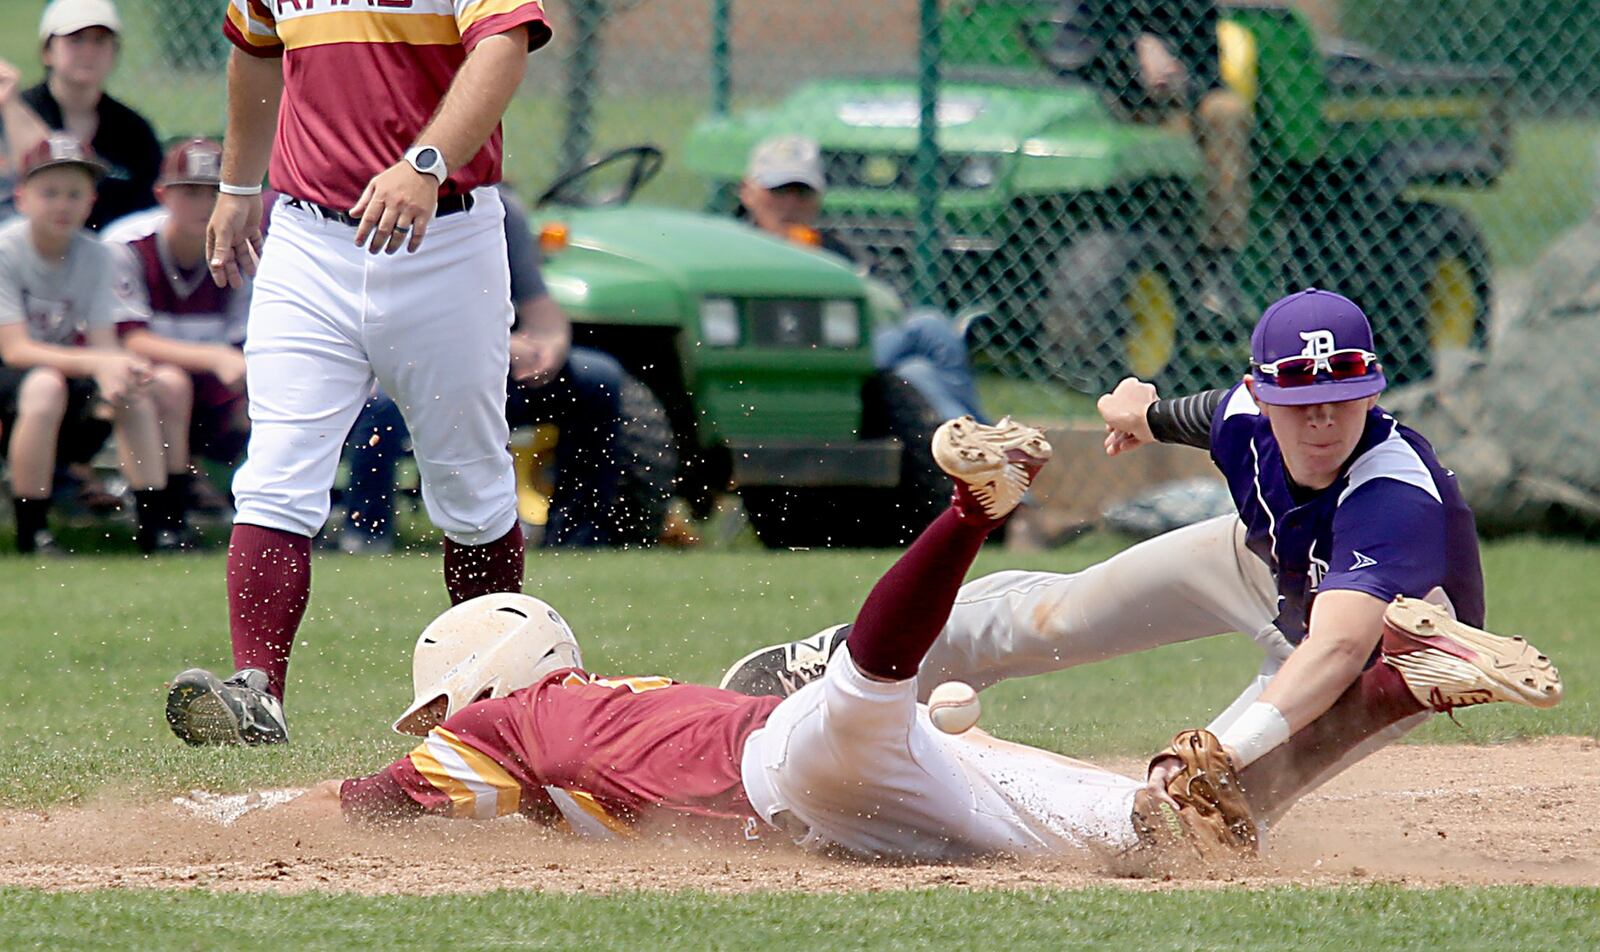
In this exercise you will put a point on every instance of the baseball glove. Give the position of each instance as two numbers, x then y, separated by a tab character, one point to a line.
1212	806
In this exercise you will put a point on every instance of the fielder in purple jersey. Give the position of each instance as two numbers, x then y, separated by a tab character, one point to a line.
1346	522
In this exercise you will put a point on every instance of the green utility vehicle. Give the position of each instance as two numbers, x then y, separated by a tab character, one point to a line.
750	362
1077	226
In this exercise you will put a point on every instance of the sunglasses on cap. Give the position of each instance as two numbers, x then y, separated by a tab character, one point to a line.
1303	371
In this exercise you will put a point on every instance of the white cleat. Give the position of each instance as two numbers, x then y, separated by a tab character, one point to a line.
992	465
1449	664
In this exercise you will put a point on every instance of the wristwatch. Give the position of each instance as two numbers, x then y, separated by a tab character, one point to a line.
429	161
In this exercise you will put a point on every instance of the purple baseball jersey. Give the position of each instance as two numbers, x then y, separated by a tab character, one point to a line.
1394	523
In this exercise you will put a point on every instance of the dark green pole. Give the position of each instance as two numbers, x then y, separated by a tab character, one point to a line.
583	81
925	164
721	57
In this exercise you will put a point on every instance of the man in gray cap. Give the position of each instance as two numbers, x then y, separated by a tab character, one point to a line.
781	194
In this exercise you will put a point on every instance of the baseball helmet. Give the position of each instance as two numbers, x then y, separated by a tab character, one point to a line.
482	648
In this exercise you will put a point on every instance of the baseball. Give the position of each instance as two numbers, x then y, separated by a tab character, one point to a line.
953	707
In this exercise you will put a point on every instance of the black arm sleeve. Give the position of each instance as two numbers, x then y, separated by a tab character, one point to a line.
1185	420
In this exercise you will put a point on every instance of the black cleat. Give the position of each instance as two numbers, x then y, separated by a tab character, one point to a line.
203	709
781	670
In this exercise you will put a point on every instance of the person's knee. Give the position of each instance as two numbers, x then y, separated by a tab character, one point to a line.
1223	110
43	394
472	502
172	390
596	377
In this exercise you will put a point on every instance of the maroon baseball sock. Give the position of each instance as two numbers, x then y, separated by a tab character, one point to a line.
269	582
473	570
908	607
1378	699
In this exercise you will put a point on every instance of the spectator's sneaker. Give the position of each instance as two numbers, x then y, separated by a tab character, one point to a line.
356	542
205	710
1449	664
991	465
781	670
46	546
177	540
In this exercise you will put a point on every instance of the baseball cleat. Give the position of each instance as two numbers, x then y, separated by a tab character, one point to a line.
1449	664
781	670
203	709
992	465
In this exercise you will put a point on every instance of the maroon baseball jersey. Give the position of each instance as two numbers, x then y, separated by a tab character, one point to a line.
603	755
154	292
361	80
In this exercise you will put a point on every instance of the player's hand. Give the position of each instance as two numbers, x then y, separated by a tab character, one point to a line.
1160	72
10	79
399	201
233	239
1123	410
536	359
1162	770
229	368
119	376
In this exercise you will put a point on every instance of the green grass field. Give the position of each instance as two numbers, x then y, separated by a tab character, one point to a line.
89	642
1387	918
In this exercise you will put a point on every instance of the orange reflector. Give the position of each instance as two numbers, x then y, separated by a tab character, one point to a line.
553	237
802	235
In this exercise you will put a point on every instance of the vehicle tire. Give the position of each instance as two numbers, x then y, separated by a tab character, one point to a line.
824	517
649	458
1443	279
1114	306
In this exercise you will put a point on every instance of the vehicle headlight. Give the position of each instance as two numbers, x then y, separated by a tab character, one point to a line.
719	322
976	171
841	324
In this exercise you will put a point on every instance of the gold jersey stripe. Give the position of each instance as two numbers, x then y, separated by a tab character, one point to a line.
476	785
250	29
411	29
483	9
591	806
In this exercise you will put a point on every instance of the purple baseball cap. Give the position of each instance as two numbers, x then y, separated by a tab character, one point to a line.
1313	323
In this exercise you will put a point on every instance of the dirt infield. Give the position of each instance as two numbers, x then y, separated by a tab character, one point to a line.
1525	813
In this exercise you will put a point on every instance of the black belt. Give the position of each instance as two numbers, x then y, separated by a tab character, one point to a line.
448	205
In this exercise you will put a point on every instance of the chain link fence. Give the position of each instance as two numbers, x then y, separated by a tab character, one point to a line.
1097	210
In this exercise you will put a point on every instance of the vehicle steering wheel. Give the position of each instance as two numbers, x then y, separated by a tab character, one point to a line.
567	189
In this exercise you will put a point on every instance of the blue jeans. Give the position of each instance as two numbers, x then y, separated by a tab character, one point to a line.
585	401
373	449
927	351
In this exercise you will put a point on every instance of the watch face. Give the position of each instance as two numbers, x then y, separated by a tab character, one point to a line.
427	158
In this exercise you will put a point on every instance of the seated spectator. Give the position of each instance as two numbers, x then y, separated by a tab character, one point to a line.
577	389
172	313
62	375
781	194
80	43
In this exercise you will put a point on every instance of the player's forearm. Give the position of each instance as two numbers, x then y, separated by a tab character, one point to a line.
1185	420
1344	630
255	84
478	97
196	358
71	361
542	318
23	128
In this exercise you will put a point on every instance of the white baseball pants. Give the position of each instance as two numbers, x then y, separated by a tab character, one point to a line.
327	319
860	767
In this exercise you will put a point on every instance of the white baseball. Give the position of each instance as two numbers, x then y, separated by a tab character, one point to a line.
953	707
